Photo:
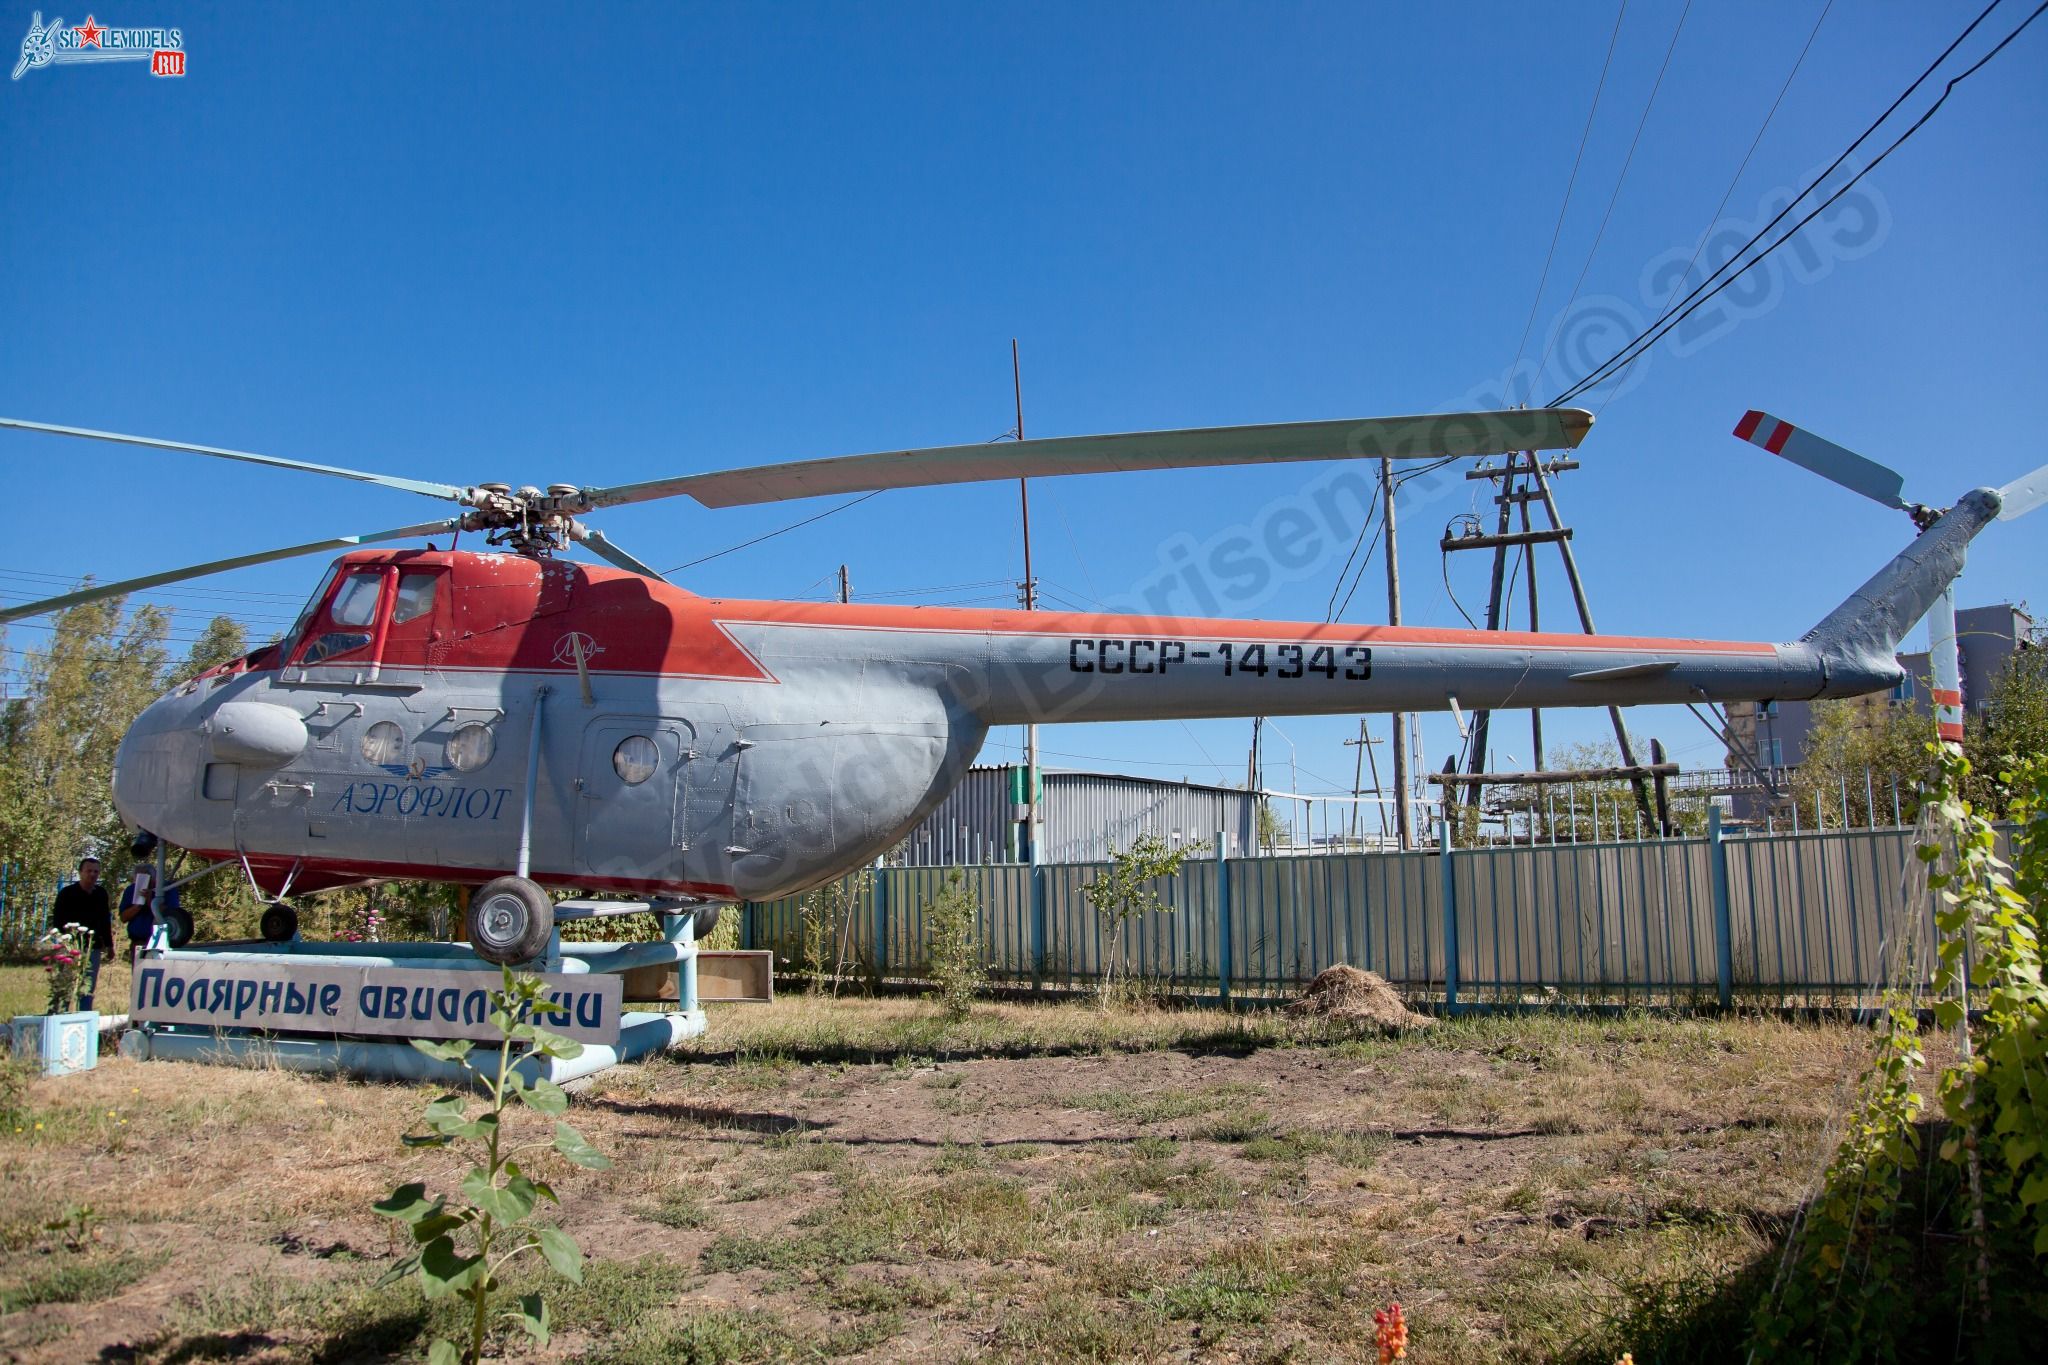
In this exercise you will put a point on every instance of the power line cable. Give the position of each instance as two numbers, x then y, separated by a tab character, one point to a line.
1650	335
1619	181
1570	181
747	544
1729	193
1366	524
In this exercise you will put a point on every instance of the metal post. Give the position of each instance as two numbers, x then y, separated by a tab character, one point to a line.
532	782
1724	937
1037	876
1404	831
1663	789
1223	941
1450	885
880	896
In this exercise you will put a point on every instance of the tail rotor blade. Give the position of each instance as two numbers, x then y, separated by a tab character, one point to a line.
2023	494
432	490
1822	456
156	580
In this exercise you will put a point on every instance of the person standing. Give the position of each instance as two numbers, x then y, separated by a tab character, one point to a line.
83	905
136	910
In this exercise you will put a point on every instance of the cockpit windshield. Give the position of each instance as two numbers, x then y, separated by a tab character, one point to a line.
298	630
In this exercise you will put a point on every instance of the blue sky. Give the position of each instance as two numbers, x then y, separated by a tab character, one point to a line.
477	242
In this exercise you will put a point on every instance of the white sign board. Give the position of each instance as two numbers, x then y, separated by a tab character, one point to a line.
399	1002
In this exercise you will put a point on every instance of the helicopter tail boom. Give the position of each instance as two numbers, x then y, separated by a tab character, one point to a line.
1857	643
1053	667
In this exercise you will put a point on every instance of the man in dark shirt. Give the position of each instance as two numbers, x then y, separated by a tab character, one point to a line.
84	904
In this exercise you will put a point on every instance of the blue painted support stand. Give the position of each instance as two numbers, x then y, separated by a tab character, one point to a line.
1224	965
1724	937
1450	884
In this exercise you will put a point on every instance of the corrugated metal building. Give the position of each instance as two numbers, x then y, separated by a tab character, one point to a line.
1086	816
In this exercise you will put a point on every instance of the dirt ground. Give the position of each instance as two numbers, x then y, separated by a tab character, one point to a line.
860	1180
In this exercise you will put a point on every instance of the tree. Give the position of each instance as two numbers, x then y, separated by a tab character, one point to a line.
223	640
82	690
1127	889
1858	751
1274	830
2011	728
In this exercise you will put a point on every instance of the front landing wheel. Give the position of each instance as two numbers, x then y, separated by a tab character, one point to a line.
510	921
279	923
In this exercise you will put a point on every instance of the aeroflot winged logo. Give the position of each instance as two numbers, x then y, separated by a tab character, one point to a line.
56	45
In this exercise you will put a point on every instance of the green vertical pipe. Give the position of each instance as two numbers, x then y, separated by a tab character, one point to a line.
1450	918
1724	938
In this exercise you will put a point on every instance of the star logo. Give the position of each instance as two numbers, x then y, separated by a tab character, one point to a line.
88	33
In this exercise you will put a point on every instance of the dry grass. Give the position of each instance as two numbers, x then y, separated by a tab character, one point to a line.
857	1179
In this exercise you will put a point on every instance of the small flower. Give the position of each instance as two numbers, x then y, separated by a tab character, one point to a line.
1390	1333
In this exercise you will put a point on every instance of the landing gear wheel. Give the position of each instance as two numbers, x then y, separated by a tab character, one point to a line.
510	921
706	920
177	925
279	923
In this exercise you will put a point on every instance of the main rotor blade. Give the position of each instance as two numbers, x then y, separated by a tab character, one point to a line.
597	543
2023	494
128	585
432	490
1823	457
1439	434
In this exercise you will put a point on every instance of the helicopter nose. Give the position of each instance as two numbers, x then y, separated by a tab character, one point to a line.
153	749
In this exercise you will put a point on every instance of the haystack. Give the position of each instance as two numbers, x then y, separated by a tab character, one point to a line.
1352	996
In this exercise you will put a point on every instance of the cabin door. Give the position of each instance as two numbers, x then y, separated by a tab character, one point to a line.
629	805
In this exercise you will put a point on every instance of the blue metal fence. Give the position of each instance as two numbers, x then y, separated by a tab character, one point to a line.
24	910
1770	918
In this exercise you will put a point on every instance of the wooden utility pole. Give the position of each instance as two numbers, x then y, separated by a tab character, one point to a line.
1404	834
1571	574
845	585
1029	597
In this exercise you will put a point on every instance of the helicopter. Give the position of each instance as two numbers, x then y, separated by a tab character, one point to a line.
510	720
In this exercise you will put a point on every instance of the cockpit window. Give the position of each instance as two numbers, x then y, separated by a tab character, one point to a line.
350	618
332	643
298	630
356	603
415	597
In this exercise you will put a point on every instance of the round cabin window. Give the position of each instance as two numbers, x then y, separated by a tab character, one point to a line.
470	747
384	743
635	759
